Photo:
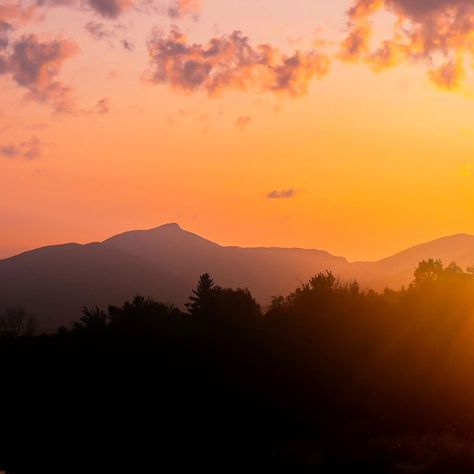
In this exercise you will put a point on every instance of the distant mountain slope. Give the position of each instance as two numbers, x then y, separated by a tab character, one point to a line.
398	269
266	271
56	282
165	262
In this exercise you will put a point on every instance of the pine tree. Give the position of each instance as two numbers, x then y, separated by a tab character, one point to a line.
200	300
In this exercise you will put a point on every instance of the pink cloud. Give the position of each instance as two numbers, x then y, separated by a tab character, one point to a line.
231	62
28	149
180	8
423	31
35	64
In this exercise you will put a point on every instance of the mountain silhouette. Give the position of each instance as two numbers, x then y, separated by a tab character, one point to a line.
397	270
165	262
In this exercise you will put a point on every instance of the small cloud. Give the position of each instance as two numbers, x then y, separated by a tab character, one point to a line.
243	122
283	194
180	8
98	30
103	106
112	35
35	64
110	8
448	76
28	149
128	45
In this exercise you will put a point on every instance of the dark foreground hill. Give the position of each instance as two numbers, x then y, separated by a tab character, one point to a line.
55	282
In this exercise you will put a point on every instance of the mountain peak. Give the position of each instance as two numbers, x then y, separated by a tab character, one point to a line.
170	226
169	235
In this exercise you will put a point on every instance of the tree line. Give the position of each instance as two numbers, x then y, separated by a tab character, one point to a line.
330	378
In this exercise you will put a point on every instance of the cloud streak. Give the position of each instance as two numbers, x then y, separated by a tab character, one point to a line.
230	62
112	9
104	8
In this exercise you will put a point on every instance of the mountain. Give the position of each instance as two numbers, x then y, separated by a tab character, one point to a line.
165	262
397	270
55	282
266	271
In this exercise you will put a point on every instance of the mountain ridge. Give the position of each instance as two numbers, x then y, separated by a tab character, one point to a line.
165	262
177	227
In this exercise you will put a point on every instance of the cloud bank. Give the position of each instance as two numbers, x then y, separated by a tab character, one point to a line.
112	9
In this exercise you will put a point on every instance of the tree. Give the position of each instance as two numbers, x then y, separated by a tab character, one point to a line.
202	296
92	319
428	271
16	322
235	307
144	316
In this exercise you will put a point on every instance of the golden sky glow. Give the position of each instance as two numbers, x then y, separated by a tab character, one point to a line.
322	124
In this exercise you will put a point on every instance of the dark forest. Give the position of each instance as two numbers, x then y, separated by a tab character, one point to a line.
329	379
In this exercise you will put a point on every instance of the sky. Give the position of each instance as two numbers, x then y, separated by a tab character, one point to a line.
341	125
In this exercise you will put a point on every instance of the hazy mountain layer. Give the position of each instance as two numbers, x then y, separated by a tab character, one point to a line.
55	282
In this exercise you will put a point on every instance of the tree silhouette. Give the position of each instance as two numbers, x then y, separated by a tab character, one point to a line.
428	271
91	319
16	322
368	381
200	301
235	308
143	315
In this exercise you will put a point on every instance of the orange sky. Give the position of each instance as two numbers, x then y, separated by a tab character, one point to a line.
327	137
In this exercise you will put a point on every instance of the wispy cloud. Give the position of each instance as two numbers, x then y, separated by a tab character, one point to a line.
28	149
104	8
12	16
127	45
103	106
180	8
243	122
98	30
